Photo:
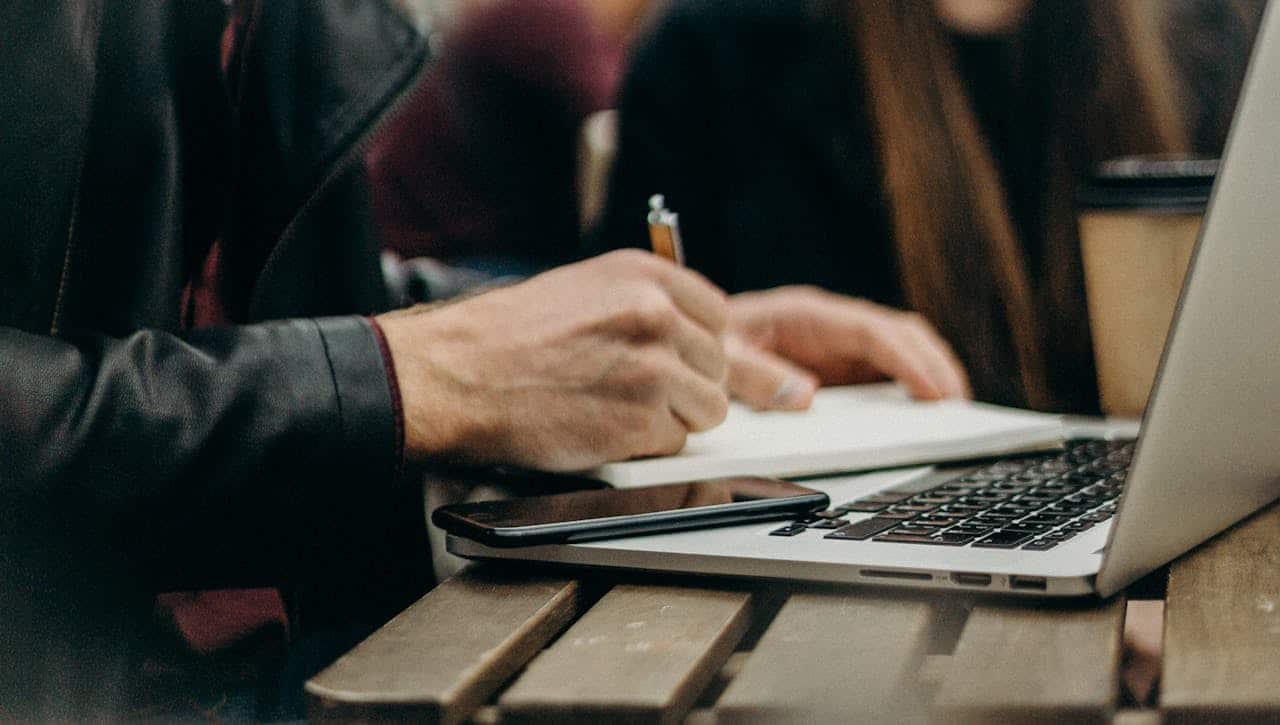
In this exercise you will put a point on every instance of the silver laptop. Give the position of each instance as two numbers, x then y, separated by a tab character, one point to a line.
1057	525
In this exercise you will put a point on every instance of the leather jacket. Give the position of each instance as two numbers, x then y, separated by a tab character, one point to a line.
137	456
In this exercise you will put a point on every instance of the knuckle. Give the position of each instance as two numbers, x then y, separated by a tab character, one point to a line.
646	376
718	363
719	311
799	294
878	339
637	424
646	383
914	319
632	258
717	411
814	295
653	314
670	439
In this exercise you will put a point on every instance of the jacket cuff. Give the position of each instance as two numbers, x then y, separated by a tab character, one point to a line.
393	385
365	384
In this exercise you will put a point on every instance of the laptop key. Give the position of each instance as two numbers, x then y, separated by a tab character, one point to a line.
912	530
1049	520
885	497
894	537
1016	508
1005	539
789	530
933	499
864	529
997	515
936	519
1032	526
1040	545
964	509
919	508
1037	497
1065	509
869	507
970	530
929	525
829	524
994	523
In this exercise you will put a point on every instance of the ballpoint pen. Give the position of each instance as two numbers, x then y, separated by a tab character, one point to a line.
664	230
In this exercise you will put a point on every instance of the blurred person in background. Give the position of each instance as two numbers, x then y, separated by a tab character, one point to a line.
915	155
479	169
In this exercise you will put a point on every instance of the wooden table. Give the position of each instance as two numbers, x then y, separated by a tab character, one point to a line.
497	644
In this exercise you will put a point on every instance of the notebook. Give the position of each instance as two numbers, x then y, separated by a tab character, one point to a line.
852	428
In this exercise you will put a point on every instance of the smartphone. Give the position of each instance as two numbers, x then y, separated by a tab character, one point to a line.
608	513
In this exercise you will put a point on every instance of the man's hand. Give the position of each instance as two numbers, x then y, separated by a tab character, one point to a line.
613	358
784	343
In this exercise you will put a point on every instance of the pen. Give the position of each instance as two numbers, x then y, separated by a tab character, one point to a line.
664	230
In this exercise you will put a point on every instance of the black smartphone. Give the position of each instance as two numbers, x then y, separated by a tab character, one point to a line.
607	513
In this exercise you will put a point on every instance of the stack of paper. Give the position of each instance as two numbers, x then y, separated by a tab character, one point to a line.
852	428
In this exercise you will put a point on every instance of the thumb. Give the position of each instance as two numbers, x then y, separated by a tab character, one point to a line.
766	381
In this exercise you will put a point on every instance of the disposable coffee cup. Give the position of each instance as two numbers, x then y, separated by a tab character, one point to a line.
1139	220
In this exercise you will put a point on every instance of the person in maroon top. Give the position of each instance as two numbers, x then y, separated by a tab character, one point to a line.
481	162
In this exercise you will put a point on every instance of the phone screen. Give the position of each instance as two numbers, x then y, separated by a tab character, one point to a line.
575	514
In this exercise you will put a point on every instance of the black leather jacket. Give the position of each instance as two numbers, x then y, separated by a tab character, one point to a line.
136	457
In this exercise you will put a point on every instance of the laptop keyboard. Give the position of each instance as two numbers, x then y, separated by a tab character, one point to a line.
1028	502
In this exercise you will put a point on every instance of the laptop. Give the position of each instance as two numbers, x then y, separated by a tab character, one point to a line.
1101	513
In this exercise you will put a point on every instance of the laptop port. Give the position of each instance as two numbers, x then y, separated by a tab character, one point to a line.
908	575
1036	583
971	580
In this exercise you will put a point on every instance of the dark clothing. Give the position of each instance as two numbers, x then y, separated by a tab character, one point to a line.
1212	40
747	116
136	457
751	117
482	161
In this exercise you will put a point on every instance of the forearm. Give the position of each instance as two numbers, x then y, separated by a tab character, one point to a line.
220	455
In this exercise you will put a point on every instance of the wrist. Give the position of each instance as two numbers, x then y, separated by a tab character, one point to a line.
437	422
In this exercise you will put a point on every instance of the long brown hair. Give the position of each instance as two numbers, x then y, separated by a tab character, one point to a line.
963	262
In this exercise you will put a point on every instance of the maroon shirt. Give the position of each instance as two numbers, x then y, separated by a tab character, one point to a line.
482	160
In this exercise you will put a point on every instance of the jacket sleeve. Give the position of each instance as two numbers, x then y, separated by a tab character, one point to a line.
225	457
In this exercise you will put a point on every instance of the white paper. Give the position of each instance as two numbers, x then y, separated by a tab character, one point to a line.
852	428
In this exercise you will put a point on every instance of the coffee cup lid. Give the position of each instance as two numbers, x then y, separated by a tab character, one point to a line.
1155	183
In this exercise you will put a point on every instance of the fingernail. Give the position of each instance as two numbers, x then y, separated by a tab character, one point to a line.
793	392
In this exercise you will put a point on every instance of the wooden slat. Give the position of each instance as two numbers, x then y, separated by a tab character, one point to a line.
1222	628
1035	662
445	655
641	654
831	657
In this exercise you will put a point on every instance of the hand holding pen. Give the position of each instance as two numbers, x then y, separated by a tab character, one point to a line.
783	344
